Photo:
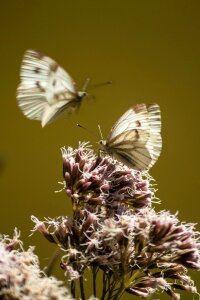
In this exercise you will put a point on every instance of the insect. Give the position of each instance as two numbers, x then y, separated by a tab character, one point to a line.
46	89
135	138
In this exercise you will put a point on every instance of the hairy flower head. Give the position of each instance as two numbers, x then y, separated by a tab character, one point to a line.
102	181
152	251
21	277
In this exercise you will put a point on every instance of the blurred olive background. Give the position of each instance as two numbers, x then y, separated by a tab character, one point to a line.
151	52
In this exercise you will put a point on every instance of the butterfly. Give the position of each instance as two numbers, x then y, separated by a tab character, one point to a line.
46	89
135	139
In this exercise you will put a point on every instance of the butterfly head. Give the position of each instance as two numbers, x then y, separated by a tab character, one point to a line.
81	95
102	145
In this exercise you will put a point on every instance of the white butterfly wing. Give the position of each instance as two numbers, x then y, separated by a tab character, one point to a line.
135	139
45	87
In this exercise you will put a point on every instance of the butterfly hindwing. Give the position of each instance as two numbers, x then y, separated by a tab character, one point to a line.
46	89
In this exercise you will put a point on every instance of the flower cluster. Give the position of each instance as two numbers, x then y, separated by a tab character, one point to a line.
21	277
93	181
149	251
114	230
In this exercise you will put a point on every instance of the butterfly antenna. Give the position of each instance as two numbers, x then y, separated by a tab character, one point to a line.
85	86
100	132
94	86
88	130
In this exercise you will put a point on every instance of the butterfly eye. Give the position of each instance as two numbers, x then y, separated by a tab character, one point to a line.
102	144
82	94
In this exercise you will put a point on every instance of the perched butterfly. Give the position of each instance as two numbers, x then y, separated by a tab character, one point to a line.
46	90
135	139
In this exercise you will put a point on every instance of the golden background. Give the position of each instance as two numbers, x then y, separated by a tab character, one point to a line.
151	52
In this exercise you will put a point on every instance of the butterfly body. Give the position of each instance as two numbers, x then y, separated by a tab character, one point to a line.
135	138
46	90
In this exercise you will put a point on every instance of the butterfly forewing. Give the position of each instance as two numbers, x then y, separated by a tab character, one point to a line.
39	67
135	138
154	143
131	119
46	89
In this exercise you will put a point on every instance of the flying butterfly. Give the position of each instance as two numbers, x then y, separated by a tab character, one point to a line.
135	139
46	90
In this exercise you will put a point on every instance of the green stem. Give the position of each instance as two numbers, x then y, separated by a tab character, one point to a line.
120	291
94	272
122	287
111	287
104	286
52	262
133	277
82	288
73	289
